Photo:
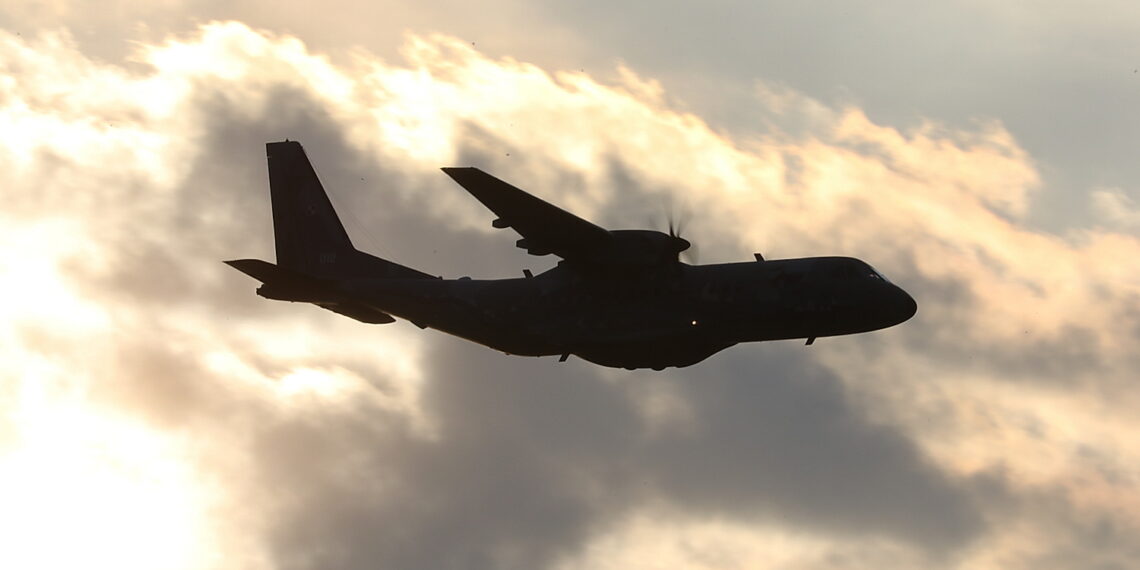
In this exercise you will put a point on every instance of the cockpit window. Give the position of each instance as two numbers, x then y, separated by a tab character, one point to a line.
851	269
876	275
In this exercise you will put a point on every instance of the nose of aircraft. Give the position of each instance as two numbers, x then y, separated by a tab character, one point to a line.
903	306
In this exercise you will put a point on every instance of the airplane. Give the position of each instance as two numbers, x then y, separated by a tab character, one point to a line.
617	298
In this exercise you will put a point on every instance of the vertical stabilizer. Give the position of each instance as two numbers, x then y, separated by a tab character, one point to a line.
308	235
306	230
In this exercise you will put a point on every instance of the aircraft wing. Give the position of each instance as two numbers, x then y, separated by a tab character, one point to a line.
545	228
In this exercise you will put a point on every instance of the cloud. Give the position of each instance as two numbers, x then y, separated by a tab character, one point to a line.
314	441
1053	75
529	464
1117	209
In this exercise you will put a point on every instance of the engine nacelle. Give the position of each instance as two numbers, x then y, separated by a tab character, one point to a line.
641	248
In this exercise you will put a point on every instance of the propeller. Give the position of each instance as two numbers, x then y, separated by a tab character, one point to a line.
685	248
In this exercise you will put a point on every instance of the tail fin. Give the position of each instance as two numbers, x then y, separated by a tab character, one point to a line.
308	235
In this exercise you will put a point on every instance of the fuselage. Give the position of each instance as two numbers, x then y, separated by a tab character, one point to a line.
618	298
674	315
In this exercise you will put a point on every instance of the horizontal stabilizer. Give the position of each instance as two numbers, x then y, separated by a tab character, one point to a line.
285	285
261	270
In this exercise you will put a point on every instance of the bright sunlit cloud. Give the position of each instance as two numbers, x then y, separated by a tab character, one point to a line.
84	488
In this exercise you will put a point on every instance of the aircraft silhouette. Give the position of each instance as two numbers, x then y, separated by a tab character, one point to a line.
619	298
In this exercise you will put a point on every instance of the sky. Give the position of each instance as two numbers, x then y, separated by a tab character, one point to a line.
156	413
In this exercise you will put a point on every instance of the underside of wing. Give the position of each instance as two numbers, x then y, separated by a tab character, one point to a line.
544	227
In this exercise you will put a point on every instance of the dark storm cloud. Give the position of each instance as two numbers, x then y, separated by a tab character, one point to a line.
532	459
520	473
778	437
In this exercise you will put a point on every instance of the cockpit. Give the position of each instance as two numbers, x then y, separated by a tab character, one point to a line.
849	269
872	273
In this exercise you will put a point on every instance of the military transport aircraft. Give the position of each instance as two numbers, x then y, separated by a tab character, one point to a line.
620	298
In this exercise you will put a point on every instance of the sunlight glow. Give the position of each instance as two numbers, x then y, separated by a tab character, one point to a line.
34	289
81	489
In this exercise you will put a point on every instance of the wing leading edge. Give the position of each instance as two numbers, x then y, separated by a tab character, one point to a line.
545	228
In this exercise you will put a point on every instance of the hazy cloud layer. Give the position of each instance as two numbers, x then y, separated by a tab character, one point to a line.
189	423
1062	78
